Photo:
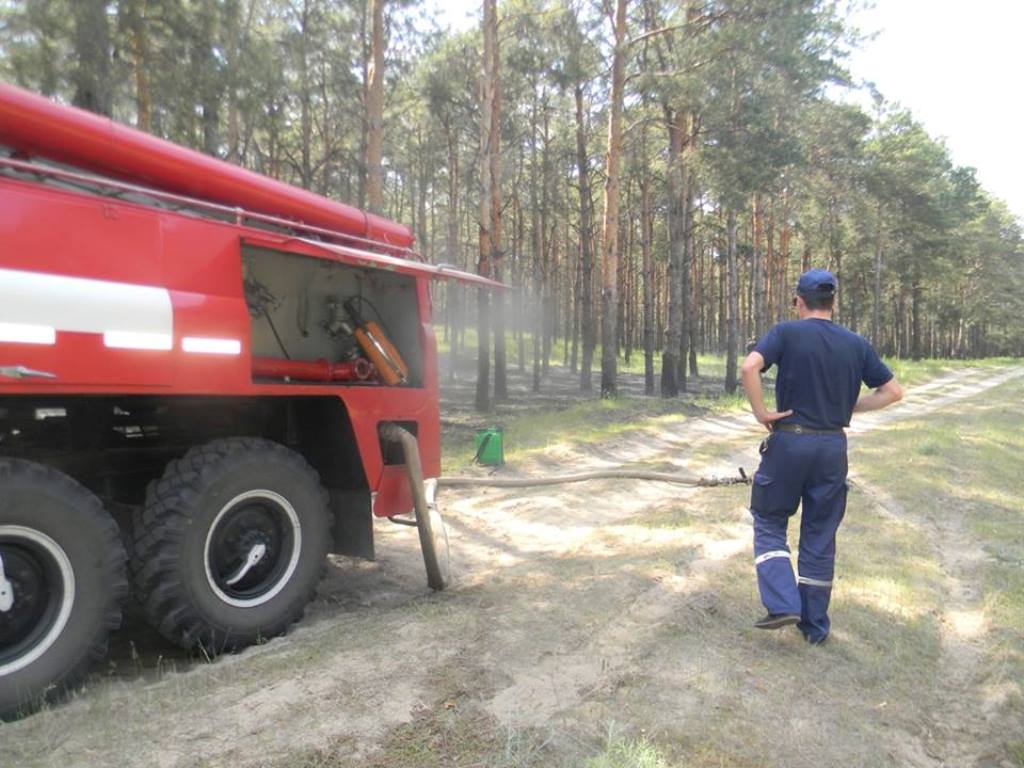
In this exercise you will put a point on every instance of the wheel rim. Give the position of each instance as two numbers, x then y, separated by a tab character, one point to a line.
252	548
43	583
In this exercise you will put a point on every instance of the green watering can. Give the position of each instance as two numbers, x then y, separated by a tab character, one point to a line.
489	448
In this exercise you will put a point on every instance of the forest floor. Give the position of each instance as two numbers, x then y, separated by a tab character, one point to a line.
608	624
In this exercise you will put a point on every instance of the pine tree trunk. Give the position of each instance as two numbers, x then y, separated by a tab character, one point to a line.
835	257
732	332
610	228
757	273
694	287
876	319
305	104
576	304
452	247
497	254
587	334
547	324
915	319
784	238
670	363
91	75
486	222
538	287
685	283
135	16
208	80
646	226
536	230
232	22
375	110
723	270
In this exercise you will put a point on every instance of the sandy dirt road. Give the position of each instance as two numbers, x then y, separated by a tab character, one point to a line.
576	611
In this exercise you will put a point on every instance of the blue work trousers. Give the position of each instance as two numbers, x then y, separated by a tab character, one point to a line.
809	469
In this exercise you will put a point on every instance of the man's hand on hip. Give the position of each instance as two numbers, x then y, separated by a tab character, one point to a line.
768	418
750	375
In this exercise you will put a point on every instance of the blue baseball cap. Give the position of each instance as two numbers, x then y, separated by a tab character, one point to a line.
817	283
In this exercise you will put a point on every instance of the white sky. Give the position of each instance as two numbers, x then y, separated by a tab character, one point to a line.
958	66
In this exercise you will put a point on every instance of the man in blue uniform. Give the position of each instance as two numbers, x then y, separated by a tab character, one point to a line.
817	388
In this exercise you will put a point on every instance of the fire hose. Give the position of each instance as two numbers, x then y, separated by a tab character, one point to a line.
432	533
600	474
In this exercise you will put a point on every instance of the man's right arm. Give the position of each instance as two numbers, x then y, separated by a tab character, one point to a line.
877	399
750	374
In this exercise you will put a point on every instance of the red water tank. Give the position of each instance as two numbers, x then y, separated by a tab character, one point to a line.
33	125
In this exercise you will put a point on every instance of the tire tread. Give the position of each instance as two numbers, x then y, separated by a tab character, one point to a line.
91	512
158	526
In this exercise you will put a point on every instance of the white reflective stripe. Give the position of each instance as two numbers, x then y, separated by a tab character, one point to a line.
24	333
83	305
769	555
813	582
134	340
211	346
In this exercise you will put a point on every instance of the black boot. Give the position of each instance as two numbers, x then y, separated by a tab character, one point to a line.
777	621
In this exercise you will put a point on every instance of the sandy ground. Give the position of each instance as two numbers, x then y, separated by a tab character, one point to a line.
573	613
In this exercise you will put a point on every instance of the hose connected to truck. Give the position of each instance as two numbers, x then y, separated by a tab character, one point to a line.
430	526
428	522
600	474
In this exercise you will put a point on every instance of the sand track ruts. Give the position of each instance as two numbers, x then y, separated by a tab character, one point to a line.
372	651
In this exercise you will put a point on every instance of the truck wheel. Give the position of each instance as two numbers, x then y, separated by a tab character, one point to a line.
231	544
62	579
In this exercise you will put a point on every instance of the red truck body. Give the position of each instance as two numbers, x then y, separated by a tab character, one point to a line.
177	353
186	273
95	271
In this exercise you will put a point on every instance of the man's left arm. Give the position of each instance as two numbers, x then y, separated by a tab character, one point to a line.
880	378
881	397
750	375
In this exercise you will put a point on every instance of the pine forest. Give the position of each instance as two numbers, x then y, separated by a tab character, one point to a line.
649	177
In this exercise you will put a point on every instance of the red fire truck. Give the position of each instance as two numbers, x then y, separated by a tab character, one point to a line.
208	381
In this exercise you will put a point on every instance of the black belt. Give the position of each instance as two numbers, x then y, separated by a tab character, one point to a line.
800	429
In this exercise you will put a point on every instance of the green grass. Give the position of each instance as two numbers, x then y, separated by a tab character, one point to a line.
1016	752
628	753
588	421
914	372
592	419
968	466
892	583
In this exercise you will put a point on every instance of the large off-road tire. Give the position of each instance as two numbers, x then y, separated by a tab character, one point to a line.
231	544
64	567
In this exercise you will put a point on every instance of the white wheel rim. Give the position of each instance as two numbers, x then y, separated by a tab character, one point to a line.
67	575
293	520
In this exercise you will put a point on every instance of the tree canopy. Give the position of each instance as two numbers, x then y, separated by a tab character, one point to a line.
741	154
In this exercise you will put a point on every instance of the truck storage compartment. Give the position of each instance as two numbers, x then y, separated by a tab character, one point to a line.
318	321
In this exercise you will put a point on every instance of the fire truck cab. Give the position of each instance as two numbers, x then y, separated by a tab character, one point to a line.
202	372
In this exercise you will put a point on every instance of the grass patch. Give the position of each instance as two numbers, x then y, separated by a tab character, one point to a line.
1016	751
914	372
964	474
628	753
588	421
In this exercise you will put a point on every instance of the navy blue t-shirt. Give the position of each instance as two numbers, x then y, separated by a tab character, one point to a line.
821	367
